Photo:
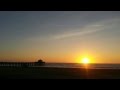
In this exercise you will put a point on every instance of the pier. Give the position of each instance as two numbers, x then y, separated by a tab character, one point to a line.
22	64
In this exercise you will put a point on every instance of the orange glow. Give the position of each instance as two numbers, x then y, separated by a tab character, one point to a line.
85	60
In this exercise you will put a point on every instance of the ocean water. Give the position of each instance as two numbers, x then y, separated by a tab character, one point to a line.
77	65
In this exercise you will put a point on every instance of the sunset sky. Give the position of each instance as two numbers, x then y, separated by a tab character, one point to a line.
60	36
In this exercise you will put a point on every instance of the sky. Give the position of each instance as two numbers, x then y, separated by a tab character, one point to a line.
60	36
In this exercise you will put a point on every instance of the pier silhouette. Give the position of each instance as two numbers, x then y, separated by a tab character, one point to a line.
22	64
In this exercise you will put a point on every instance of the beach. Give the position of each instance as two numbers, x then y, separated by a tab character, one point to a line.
57	73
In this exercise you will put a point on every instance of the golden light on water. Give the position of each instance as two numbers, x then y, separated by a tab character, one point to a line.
85	61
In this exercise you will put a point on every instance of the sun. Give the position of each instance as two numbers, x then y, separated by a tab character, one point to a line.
85	60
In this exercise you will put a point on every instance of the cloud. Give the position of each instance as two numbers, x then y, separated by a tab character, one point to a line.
74	32
88	29
84	31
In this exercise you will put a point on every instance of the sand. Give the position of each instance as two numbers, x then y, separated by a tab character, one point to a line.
57	73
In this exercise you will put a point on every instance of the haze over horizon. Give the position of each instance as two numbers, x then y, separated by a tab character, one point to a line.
60	36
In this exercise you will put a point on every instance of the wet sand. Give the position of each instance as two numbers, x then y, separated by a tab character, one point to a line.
57	73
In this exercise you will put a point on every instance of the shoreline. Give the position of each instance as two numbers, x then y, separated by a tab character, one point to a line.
82	67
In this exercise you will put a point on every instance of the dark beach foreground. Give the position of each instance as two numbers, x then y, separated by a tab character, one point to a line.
57	73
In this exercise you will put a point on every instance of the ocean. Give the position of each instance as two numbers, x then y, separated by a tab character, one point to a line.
77	65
